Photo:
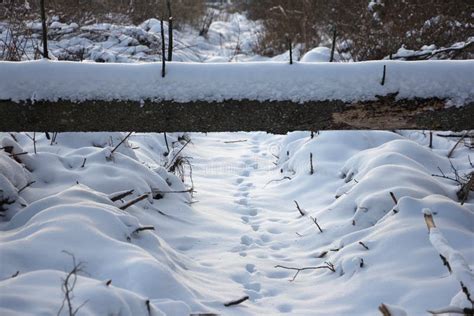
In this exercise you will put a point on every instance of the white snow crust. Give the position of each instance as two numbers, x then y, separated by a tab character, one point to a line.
185	82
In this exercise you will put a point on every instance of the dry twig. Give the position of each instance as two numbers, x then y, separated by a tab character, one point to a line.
299	209
315	221
134	201
456	145
120	195
123	140
328	266
68	286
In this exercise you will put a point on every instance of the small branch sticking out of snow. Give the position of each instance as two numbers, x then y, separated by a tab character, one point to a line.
68	286
315	221
123	140
431	140
383	75
393	198
363	245
299	209
429	219
456	145
148	306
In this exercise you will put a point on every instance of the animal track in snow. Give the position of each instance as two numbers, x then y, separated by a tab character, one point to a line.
250	268
246	240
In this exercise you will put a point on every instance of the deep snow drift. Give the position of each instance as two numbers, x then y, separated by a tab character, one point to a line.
226	241
184	82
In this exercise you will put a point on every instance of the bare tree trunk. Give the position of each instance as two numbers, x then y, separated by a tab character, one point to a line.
45	31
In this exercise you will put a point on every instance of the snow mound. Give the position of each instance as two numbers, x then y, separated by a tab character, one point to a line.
71	210
319	54
368	235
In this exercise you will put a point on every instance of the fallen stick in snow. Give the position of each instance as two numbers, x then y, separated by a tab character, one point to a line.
363	245
165	192
134	201
237	302
328	266
451	258
140	229
120	195
26	186
19	154
235	141
453	135
277	180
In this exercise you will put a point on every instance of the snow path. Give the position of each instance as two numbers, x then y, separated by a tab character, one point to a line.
244	224
243	238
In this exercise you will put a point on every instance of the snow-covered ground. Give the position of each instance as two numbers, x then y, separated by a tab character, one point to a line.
226	240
